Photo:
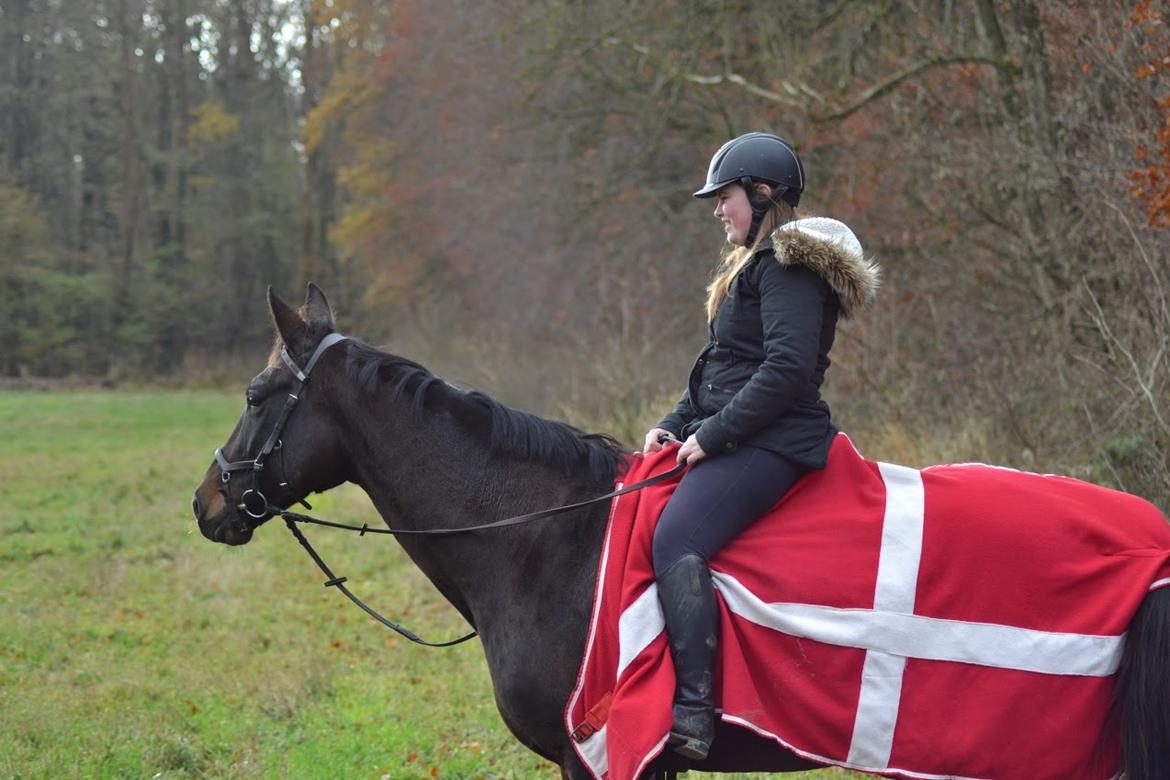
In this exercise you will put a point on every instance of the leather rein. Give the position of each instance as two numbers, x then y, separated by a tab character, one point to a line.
256	507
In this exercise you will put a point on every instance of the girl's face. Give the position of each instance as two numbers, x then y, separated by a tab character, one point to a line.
735	212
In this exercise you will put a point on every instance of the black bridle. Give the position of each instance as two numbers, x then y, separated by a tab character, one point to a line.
252	503
255	507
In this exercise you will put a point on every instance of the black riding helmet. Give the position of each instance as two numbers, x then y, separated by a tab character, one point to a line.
752	158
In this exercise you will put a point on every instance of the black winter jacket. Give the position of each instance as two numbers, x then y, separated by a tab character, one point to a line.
757	382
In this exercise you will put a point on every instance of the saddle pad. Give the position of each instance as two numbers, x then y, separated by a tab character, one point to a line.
956	621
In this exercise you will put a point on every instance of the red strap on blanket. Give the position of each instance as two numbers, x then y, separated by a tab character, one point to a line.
594	719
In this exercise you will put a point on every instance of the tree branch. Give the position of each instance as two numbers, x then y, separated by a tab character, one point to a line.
791	99
755	89
881	88
802	96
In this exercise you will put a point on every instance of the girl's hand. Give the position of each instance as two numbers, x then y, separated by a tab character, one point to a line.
652	436
691	452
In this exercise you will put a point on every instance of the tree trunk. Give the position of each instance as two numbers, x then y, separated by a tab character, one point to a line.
17	78
131	179
318	210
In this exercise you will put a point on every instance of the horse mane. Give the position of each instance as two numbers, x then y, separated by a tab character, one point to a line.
509	430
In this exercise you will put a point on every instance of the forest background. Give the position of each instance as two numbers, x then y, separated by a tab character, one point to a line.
501	190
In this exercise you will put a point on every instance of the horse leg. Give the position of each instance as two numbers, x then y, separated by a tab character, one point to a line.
1143	691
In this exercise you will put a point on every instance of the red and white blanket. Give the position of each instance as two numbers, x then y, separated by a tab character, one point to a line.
955	621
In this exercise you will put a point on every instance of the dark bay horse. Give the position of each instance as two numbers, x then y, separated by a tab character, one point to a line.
431	455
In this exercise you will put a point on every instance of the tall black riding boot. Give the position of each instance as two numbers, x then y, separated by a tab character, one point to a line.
692	626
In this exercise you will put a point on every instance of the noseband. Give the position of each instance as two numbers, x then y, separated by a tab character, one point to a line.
253	504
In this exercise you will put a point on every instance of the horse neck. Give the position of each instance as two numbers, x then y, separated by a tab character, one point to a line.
426	470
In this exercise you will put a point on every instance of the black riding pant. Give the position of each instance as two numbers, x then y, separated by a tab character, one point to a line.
717	498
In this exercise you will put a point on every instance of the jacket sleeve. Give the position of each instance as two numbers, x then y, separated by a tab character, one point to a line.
792	303
678	417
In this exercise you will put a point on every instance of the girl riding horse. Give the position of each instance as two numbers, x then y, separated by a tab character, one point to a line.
752	420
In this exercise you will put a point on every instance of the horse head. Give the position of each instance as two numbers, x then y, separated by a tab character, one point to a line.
283	447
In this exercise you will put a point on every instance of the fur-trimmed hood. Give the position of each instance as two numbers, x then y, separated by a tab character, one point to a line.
829	248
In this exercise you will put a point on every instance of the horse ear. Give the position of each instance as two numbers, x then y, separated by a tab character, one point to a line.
288	323
316	308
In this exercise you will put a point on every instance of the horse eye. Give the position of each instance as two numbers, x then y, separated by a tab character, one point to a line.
249	399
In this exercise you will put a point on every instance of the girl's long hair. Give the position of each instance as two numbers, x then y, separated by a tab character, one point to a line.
734	258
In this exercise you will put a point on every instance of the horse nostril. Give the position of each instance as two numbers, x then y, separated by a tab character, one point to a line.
195	506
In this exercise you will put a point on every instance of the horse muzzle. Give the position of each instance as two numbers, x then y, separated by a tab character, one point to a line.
229	525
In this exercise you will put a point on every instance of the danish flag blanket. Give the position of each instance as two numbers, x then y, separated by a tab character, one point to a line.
956	621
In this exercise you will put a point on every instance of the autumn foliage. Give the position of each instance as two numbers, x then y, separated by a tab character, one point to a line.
1151	180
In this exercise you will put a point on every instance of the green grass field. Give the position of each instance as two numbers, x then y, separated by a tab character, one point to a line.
130	646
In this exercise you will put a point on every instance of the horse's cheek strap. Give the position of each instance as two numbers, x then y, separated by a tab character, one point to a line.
278	429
